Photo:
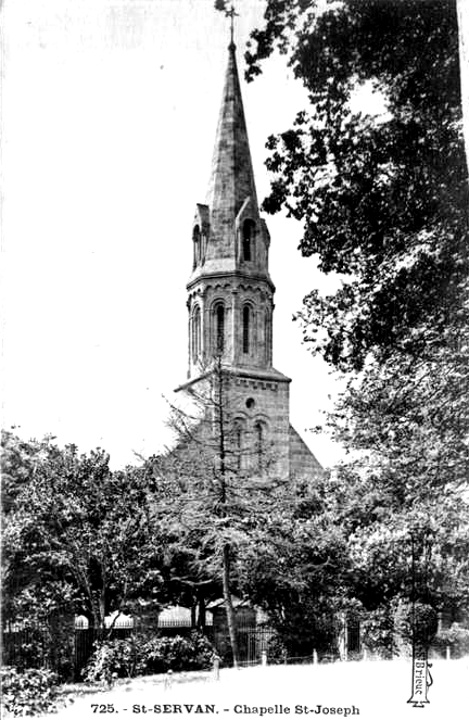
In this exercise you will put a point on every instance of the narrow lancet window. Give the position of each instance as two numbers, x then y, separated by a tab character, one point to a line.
259	439
219	328
196	334
246	329
238	444
268	336
248	239
197	241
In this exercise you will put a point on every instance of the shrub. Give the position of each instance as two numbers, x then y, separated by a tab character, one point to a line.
178	653
115	658
139	656
30	692
377	628
416	622
277	653
30	649
39	647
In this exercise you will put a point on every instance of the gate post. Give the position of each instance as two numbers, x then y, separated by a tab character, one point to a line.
216	667
168	680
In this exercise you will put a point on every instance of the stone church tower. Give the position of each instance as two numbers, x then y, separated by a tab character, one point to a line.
231	295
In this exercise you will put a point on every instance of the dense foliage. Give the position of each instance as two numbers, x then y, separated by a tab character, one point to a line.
384	201
77	538
143	656
342	549
32	692
383	196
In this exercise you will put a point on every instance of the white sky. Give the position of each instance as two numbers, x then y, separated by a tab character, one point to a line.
109	117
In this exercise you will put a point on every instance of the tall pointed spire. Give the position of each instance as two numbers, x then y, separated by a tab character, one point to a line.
232	177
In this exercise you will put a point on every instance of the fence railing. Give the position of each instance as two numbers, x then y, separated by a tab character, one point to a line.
26	648
30	648
36	648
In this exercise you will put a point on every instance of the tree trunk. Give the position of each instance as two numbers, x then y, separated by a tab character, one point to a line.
194	615
94	618
463	31
230	616
201	617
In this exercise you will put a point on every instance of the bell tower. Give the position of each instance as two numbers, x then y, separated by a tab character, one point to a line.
230	293
230	290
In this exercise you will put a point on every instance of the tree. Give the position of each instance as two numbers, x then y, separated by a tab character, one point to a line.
296	567
77	537
219	484
383	198
463	29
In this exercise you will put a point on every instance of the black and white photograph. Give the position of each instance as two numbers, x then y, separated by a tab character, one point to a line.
235	358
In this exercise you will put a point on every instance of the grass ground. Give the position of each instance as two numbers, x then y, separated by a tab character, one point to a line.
377	691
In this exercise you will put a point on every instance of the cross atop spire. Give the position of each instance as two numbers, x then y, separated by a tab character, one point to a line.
231	13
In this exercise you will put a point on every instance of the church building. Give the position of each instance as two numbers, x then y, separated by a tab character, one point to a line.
231	297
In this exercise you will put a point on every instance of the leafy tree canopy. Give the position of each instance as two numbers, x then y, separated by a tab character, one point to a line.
383	199
77	537
384	202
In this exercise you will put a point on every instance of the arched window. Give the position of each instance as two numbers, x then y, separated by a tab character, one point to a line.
238	443
248	239
259	440
196	240
219	344
268	335
246	329
196	333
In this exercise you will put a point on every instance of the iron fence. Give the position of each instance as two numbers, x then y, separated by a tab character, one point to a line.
37	648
